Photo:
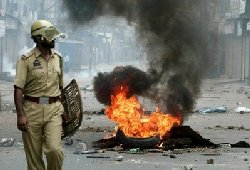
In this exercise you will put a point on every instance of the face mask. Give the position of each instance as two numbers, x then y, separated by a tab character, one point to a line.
51	33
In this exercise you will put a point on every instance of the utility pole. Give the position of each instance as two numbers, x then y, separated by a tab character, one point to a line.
2	34
204	29
244	21
1	70
247	12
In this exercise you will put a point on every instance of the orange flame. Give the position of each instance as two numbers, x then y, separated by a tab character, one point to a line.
129	115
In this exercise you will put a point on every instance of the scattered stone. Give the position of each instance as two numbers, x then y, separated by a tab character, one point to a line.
119	158
7	107
85	152
101	112
7	142
89	151
231	127
101	151
219	126
19	144
187	168
167	153
134	150
241	128
69	141
99	130
225	145
242	112
245	159
154	150
172	156
81	147
97	156
116	148
177	151
211	154
210	161
77	152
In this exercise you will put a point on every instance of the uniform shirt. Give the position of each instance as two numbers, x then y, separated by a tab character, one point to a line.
38	77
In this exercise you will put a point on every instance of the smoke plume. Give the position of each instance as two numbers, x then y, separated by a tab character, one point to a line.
176	39
106	84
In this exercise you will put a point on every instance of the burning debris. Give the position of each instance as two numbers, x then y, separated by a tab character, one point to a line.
178	138
173	34
118	89
142	143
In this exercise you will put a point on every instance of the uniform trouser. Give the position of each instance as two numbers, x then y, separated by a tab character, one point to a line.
43	135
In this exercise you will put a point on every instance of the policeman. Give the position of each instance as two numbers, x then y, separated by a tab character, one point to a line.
37	89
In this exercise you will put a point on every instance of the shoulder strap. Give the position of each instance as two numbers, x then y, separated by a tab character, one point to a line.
27	55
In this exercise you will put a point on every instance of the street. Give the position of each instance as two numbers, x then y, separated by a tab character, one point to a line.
229	127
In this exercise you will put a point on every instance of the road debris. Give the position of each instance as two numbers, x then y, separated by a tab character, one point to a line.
219	127
97	156
81	147
210	161
69	141
134	150
172	156
7	142
242	109
119	158
154	150
241	144
211	154
225	145
217	109
188	167
167	153
19	144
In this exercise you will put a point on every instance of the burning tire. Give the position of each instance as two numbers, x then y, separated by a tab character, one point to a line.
142	143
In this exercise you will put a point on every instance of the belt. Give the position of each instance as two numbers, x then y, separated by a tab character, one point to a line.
42	100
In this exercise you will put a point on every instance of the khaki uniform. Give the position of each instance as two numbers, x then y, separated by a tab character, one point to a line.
38	77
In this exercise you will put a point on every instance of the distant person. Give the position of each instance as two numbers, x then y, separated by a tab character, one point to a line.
37	89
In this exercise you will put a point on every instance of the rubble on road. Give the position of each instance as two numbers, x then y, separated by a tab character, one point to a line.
242	110
7	142
217	109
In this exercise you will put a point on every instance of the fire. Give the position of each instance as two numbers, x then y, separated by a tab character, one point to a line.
130	117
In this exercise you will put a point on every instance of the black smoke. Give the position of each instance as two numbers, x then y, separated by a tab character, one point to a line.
106	84
176	36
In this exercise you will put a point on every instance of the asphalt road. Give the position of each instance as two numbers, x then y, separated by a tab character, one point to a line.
229	127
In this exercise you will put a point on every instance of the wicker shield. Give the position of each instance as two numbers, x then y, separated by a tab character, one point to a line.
72	103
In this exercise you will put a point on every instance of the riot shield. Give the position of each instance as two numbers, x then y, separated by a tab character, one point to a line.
72	103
